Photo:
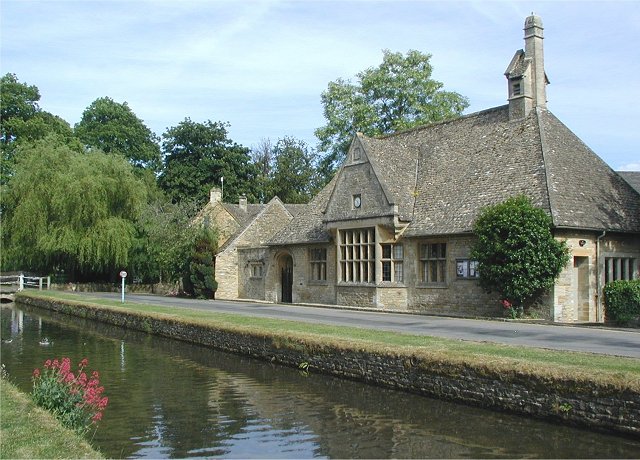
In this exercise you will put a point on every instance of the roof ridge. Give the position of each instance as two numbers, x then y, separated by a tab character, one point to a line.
440	122
547	180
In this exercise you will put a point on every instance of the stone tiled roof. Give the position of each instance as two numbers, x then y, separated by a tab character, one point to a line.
584	191
252	213
518	65
442	175
632	177
307	226
473	162
240	215
295	209
396	166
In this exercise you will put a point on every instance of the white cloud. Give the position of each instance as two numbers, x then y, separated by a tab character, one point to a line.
629	167
263	64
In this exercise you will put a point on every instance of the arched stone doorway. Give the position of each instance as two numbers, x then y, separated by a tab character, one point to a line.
286	278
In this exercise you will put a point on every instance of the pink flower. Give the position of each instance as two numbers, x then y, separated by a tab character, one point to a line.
84	363
36	373
506	304
65	367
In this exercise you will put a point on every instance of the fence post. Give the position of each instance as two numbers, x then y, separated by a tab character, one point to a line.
40	283
48	282
20	282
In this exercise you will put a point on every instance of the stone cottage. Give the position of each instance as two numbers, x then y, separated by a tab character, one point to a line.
393	229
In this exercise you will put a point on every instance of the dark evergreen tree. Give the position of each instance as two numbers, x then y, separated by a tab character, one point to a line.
198	156
201	276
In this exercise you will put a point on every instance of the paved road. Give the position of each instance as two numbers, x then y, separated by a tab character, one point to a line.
572	338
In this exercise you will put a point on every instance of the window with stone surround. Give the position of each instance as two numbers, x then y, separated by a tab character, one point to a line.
433	263
357	255
467	269
517	88
619	268
392	262
256	269
318	264
357	153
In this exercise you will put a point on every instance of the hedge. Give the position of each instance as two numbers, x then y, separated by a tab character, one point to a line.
622	300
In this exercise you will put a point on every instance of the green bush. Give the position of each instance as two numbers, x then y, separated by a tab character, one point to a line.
517	255
622	300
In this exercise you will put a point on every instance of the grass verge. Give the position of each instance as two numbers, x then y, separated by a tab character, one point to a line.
618	372
28	431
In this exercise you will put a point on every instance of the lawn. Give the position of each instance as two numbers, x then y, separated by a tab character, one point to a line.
27	431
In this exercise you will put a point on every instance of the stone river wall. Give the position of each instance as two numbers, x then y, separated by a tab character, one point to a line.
576	402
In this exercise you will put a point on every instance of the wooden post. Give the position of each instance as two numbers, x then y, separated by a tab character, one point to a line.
20	282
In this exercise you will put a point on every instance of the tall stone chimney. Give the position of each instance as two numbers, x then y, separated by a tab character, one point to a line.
526	77
533	37
243	203
215	195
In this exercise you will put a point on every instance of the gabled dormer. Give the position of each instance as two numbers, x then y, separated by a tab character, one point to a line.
359	193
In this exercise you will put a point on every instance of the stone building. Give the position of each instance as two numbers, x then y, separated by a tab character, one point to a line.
393	229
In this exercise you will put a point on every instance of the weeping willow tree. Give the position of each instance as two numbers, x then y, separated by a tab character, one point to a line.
70	210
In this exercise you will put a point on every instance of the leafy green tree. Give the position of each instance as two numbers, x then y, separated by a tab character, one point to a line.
262	158
22	120
517	255
112	127
202	283
198	156
293	176
19	100
164	241
70	210
398	94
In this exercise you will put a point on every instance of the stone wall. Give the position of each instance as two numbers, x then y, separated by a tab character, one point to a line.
456	296
227	274
577	294
357	295
305	290
250	286
157	288
583	403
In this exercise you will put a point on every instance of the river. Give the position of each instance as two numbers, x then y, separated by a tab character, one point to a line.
170	399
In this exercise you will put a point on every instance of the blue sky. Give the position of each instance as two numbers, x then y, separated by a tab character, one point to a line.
262	65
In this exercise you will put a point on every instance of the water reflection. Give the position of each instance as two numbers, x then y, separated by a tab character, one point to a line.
173	399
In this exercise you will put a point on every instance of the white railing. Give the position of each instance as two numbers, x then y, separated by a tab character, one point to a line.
20	282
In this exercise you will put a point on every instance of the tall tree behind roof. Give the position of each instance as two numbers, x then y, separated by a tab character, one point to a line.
396	95
198	155
113	128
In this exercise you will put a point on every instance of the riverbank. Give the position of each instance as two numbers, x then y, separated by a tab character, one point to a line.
596	391
27	431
